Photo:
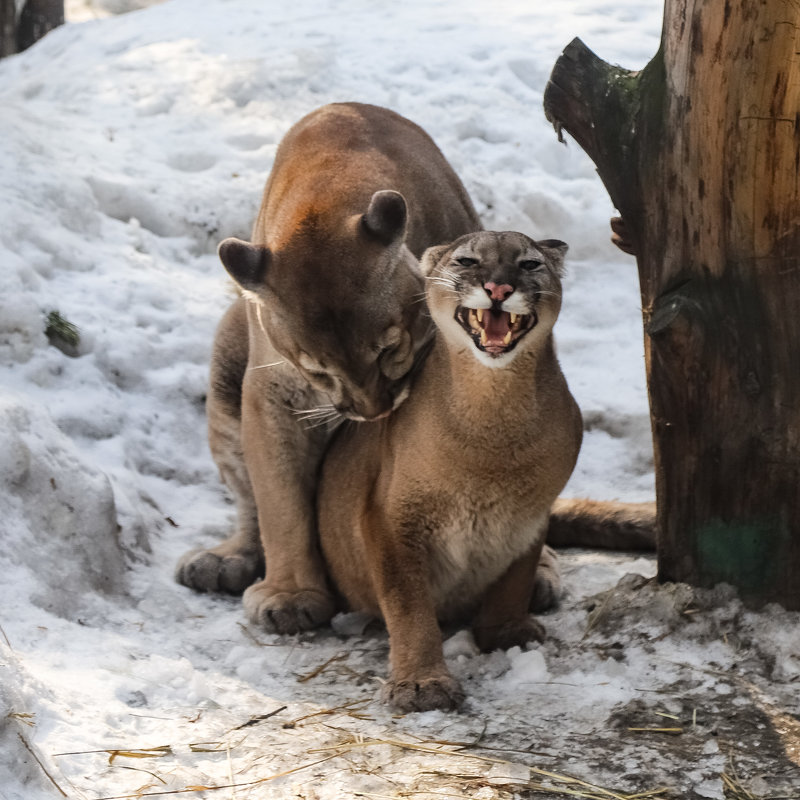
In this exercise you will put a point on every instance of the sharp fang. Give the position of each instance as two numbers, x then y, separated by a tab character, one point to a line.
479	315
513	317
484	336
507	339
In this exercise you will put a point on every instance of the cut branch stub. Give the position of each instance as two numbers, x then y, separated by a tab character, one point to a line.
600	106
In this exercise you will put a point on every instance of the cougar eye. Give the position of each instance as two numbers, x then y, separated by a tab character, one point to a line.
467	262
530	264
322	379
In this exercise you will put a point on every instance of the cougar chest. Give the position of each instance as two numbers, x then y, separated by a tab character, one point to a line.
473	548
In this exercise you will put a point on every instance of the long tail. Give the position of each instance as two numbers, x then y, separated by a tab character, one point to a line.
602	525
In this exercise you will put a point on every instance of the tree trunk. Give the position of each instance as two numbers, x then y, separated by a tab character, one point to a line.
8	27
700	152
18	31
38	17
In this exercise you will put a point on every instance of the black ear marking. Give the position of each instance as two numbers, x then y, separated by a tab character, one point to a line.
246	263
386	216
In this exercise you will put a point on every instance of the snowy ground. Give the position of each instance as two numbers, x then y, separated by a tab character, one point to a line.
130	146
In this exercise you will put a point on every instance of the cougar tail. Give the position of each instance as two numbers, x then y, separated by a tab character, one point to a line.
602	525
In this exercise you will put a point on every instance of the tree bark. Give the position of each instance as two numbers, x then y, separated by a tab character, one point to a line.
700	152
18	31
37	18
8	27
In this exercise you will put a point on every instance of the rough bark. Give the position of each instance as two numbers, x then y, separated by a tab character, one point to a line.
38	17
700	152
18	31
8	27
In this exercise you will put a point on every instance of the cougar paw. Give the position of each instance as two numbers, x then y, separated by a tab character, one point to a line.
287	612
426	694
514	633
207	571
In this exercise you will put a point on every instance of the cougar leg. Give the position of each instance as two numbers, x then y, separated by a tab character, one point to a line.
503	619
420	680
282	454
234	564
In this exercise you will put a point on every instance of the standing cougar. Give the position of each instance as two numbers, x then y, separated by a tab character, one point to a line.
330	320
441	510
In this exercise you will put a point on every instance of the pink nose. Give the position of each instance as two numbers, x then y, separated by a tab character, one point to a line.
498	292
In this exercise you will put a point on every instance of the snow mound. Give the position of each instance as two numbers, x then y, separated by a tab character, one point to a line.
58	512
18	755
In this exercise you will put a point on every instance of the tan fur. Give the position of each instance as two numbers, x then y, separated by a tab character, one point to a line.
440	511
331	317
603	525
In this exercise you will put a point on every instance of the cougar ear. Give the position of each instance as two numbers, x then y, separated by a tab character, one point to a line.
246	263
431	257
555	250
386	216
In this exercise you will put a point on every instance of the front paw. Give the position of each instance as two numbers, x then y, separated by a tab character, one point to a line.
213	571
426	694
287	612
514	633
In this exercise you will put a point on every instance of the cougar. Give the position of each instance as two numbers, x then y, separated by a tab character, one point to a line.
440	511
330	323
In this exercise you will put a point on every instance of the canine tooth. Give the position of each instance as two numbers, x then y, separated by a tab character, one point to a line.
513	317
484	336
507	339
479	314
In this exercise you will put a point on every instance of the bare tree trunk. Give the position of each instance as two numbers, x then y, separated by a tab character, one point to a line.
35	19
700	152
38	17
8	27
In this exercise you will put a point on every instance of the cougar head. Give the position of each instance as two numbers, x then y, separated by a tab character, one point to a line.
341	301
495	294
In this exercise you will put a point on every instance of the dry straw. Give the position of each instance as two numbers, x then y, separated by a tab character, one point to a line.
539	781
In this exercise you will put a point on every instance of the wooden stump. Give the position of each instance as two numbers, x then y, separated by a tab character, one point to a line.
700	152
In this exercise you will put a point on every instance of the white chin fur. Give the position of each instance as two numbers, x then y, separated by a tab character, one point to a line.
495	362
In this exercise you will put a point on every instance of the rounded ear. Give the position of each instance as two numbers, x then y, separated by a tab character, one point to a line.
246	263
386	216
555	250
431	257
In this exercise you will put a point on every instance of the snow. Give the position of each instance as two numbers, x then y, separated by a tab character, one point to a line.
131	145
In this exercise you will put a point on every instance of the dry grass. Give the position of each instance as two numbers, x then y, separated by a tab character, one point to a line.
553	783
734	789
197	788
41	765
451	782
322	667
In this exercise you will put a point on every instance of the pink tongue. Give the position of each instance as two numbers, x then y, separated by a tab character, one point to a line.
496	327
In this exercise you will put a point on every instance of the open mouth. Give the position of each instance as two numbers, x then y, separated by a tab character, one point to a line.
494	332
